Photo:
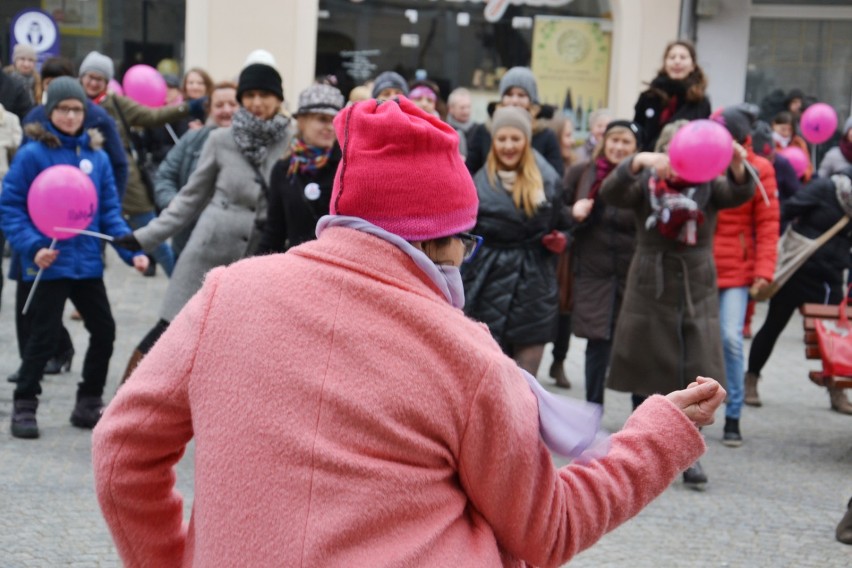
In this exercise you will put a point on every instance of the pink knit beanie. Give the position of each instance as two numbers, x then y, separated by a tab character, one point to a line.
402	171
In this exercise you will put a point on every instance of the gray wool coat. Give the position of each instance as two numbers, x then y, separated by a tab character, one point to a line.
668	330
225	191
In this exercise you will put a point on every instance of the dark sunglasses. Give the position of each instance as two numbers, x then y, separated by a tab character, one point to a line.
471	244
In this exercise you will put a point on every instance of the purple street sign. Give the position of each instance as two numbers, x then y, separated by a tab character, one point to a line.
38	29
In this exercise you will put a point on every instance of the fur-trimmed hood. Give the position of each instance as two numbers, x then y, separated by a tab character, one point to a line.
38	133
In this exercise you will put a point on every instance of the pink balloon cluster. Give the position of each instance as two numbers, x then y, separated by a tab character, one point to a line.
62	196
701	150
818	123
145	85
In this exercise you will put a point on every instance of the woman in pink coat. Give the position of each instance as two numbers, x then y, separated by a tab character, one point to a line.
346	412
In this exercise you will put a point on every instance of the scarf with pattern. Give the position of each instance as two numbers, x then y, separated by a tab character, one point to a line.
254	135
306	159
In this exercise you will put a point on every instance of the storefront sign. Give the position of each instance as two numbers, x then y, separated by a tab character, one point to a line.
494	9
35	28
570	59
77	17
360	68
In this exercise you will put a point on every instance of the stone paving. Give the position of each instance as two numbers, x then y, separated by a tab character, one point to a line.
773	502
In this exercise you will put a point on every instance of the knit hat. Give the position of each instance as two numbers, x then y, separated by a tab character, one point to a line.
61	89
320	99
171	80
98	63
738	119
512	116
23	50
260	77
389	80
520	77
260	56
761	139
631	126
401	170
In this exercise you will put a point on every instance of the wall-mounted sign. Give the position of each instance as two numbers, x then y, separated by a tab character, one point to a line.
35	28
76	17
360	68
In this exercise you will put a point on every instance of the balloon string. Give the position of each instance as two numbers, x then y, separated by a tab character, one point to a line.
171	132
84	232
756	178
35	283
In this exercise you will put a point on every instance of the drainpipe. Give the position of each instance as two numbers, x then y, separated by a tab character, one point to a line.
687	20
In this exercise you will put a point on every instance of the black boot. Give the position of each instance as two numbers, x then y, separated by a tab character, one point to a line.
59	363
694	477
87	411
731	436
844	529
24	423
14	377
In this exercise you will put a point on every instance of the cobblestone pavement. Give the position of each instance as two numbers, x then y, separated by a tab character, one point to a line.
773	502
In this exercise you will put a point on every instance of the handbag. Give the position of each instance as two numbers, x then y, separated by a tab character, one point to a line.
835	342
794	249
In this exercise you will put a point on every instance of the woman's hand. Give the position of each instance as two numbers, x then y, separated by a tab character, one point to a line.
140	263
738	163
582	208
758	285
45	257
658	161
699	400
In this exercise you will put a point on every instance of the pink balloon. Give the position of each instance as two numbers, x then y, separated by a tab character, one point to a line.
145	85
797	158
701	150
115	87
62	196
818	123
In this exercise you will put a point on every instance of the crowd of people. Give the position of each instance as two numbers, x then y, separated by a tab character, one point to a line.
403	220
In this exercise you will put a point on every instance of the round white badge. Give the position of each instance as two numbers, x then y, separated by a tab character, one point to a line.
650	113
312	191
86	166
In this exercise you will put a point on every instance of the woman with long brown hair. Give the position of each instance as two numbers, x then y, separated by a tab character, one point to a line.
511	285
677	92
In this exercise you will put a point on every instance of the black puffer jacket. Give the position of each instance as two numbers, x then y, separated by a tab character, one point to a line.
511	284
651	104
813	210
294	207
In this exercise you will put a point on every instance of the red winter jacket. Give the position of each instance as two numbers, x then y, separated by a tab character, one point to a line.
745	244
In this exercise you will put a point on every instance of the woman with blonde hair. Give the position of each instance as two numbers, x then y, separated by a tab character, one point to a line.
511	285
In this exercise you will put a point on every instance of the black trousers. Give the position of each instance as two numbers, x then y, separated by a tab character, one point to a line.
563	337
781	308
598	352
23	325
45	317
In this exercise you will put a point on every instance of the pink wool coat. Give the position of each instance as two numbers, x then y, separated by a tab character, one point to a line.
344	414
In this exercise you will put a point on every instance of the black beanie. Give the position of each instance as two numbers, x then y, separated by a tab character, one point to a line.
260	77
738	119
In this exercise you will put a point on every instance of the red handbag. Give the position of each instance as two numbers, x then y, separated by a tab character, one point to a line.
835	343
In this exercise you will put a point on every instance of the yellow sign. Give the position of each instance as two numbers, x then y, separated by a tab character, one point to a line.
570	59
76	17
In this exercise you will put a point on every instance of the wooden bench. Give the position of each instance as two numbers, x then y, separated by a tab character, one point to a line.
810	314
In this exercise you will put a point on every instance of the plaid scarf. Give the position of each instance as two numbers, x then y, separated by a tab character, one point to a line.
305	159
675	214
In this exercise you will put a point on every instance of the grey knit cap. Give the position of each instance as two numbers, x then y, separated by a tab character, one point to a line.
62	89
520	77
512	116
320	99
98	63
24	50
389	80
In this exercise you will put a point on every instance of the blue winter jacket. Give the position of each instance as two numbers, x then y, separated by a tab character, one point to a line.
98	118
80	256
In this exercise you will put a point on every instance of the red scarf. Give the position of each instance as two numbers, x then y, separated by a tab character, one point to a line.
669	111
603	167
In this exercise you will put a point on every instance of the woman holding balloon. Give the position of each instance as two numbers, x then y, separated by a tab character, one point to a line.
676	93
671	293
36	203
791	145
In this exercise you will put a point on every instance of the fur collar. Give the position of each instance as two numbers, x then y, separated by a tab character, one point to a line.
37	132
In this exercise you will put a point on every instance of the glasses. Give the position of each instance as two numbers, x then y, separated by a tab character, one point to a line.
70	111
471	244
92	78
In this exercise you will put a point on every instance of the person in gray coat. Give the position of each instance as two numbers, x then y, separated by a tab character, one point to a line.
182	159
840	157
227	192
668	329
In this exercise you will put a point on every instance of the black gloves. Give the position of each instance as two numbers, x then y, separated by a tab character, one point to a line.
197	108
128	242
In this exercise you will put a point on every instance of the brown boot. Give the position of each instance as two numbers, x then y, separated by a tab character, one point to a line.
844	529
839	402
557	372
751	396
131	365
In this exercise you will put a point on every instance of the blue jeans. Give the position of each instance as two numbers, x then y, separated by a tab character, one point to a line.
163	254
732	309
